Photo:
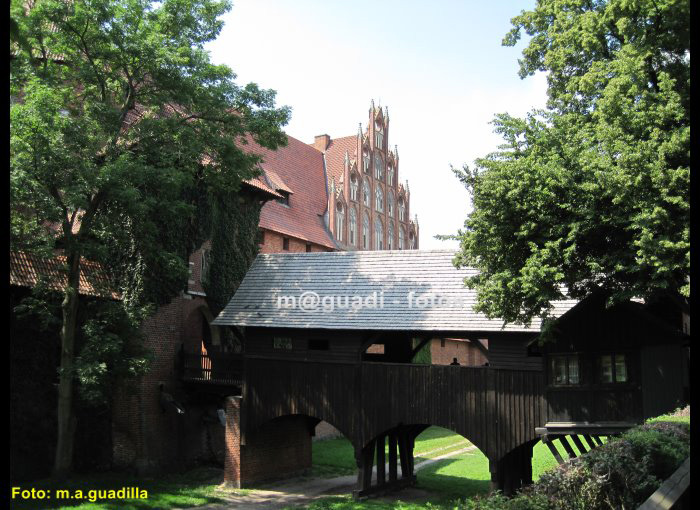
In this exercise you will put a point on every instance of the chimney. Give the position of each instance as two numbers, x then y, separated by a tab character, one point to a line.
321	142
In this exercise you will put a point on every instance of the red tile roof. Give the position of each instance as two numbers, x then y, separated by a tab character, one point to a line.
26	269
335	156
297	169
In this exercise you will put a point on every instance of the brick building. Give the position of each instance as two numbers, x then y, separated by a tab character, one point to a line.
319	197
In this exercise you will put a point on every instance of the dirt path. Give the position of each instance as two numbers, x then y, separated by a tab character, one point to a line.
303	491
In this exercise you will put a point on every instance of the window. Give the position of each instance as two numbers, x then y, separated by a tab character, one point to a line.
206	254
411	241
353	188
402	237
563	370
378	134
282	342
390	237
261	236
390	203
353	227
379	199
308	248
378	235
612	368
339	221
284	200
390	175
365	192
190	273
365	232
402	209
316	344
365	161
285	243
378	167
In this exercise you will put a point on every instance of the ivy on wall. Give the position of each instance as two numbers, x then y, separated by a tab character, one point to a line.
234	246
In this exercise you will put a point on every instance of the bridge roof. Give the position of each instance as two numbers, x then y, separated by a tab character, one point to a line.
407	290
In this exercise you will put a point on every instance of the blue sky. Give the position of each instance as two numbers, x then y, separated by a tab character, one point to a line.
439	67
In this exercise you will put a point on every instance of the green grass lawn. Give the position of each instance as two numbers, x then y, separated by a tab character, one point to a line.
196	488
461	476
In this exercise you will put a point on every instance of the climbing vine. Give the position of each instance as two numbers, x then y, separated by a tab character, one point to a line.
234	245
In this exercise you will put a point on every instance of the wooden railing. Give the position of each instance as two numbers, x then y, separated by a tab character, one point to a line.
673	493
214	368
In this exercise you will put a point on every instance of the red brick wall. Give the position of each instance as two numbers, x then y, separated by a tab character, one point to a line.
146	436
280	448
467	354
274	243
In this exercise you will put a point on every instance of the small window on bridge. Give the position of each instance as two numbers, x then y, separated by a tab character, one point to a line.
563	370
282	342
316	344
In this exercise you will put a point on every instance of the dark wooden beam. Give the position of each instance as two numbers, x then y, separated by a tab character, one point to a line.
419	346
554	451
392	456
589	441
578	444
567	446
381	468
365	472
403	453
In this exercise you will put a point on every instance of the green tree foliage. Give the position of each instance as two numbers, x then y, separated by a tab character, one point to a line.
592	192
121	130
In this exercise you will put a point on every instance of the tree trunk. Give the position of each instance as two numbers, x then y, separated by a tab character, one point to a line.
63	462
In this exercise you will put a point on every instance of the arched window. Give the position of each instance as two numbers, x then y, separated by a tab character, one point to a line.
339	221
379	199
378	134
402	236
365	192
390	203
365	161
402	209
353	187
390	236
353	226
378	166
378	235
365	232
390	175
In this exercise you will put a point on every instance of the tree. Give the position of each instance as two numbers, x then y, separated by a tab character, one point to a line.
120	128
593	192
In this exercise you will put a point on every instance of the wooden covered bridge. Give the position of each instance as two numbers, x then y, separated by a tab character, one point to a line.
306	322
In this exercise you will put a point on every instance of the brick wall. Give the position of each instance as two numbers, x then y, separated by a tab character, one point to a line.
443	352
147	436
273	242
279	448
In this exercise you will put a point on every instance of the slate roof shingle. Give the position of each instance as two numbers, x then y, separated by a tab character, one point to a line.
391	274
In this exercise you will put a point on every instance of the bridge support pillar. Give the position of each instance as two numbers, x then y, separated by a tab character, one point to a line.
278	448
400	444
512	471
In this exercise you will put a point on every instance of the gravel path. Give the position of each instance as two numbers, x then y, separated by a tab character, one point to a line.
303	491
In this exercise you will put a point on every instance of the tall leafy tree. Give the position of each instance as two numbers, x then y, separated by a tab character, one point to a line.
593	192
120	127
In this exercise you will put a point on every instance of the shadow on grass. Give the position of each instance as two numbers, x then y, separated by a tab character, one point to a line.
195	488
454	478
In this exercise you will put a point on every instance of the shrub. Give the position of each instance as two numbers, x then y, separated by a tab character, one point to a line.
604	478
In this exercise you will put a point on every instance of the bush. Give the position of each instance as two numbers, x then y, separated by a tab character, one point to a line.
604	479
622	473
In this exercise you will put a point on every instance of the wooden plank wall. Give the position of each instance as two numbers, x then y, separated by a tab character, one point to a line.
497	410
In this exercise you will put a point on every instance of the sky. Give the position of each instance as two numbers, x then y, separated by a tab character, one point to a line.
438	66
